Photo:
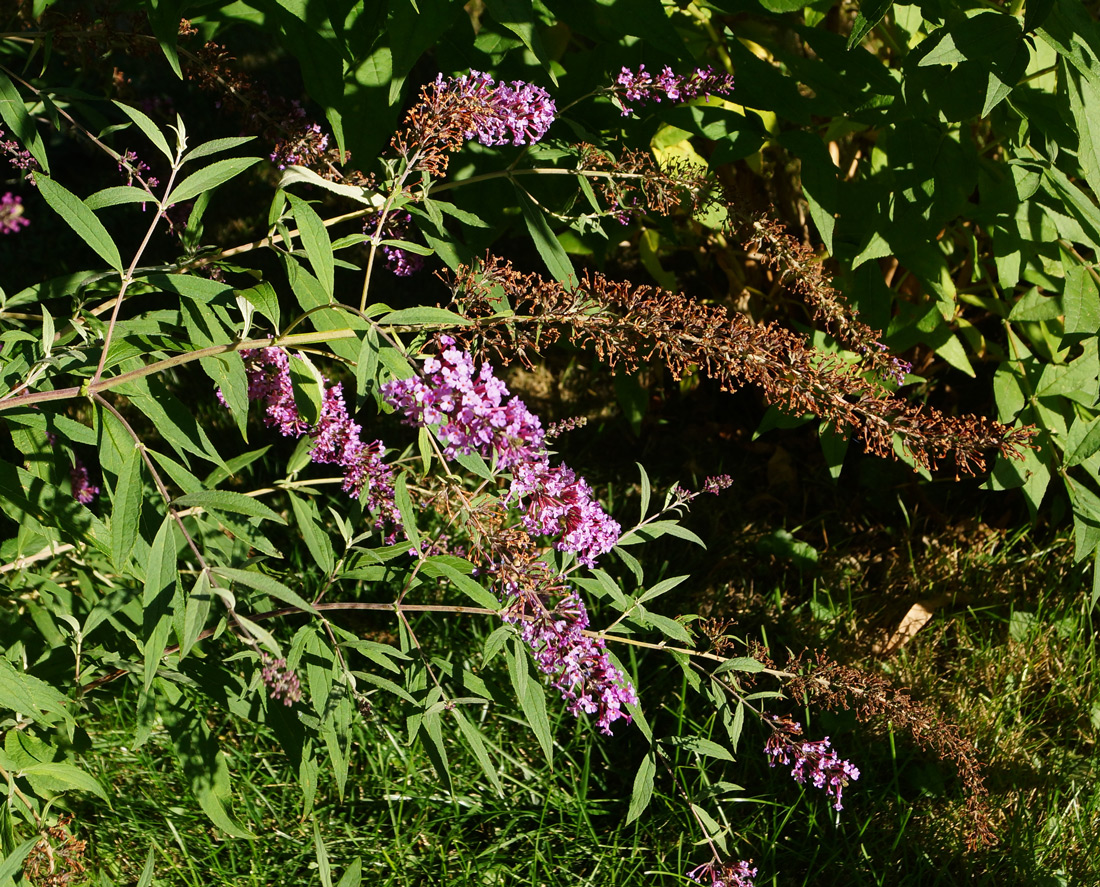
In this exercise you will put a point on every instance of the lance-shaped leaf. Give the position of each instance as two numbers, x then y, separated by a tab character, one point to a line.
80	218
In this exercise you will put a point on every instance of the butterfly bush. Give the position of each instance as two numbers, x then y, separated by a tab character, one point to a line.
641	86
475	413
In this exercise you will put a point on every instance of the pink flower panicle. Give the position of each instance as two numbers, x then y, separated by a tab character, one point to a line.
641	86
809	761
476	413
11	214
518	113
739	874
337	437
282	683
578	665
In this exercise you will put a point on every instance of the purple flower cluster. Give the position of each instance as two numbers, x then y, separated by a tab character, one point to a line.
518	113
399	261
84	491
641	86
11	214
18	156
282	683
304	147
336	436
809	761
716	483
558	502
578	665
739	874
476	414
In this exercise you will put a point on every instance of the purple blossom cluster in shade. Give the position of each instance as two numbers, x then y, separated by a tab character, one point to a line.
812	762
84	491
303	147
578	665
18	156
11	214
518	113
475	413
337	437
739	874
399	261
281	682
642	86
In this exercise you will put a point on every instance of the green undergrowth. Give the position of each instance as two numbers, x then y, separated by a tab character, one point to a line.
1009	654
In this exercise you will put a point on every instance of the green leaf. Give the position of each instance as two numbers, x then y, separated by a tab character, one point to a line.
147	126
209	177
474	740
126	509
470	587
160	582
870	14
425	314
646	490
15	115
642	792
353	874
13	863
661	587
316	539
308	386
659	528
518	16
31	697
146	879
316	241
264	299
1083	441
226	500
195	614
68	775
533	703
740	663
553	254
117	195
405	508
324	868
78	217
701	746
269	586
190	286
216	146
1081	300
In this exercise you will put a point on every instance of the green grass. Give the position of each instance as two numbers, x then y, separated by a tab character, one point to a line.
1010	655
